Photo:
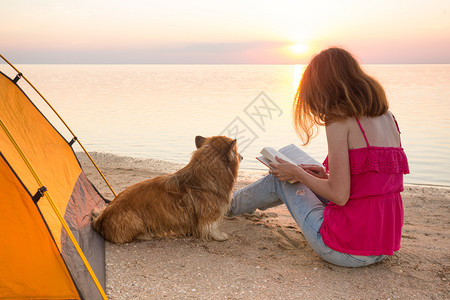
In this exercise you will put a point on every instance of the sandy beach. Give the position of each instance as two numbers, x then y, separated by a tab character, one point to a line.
266	256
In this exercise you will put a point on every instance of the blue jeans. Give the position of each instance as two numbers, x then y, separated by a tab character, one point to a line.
305	207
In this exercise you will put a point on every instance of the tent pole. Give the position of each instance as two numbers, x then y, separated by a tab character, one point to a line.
61	119
58	214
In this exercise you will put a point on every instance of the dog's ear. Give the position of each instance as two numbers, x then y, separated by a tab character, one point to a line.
233	143
199	140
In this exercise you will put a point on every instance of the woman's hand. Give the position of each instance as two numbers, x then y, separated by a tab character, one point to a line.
315	170
285	171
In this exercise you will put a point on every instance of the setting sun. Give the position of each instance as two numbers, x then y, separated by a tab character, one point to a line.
299	48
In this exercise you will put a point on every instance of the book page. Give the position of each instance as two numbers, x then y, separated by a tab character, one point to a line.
290	153
264	160
270	153
298	156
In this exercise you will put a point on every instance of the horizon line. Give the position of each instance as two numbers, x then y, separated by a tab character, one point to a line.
187	63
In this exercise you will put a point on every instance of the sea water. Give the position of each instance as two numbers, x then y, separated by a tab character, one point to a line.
156	111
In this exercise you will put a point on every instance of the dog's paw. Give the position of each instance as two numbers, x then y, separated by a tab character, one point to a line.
219	236
145	236
95	213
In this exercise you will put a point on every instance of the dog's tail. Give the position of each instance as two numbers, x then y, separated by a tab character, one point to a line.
96	219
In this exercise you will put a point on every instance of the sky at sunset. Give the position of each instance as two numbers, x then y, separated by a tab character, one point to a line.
217	32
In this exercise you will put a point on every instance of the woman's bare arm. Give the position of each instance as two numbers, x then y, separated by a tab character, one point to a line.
336	187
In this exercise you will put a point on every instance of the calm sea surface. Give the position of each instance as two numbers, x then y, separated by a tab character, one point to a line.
157	110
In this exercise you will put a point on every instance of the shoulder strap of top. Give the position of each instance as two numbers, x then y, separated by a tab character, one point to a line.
363	132
396	124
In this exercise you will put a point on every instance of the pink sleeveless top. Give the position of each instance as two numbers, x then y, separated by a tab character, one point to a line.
370	223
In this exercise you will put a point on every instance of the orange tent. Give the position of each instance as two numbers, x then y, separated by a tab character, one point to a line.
38	258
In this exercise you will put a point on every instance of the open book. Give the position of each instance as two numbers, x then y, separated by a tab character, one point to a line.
290	153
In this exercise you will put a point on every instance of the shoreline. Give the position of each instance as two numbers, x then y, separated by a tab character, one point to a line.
266	256
145	162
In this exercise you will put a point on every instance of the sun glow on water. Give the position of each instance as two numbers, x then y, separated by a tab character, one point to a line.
298	72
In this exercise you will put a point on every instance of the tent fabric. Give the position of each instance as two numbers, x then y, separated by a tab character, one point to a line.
31	265
54	161
78	218
49	154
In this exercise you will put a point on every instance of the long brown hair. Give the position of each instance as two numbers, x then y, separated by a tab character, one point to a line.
334	87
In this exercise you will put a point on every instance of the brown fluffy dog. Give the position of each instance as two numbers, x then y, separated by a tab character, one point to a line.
189	202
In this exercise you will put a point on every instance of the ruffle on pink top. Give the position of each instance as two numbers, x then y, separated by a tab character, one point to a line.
378	159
